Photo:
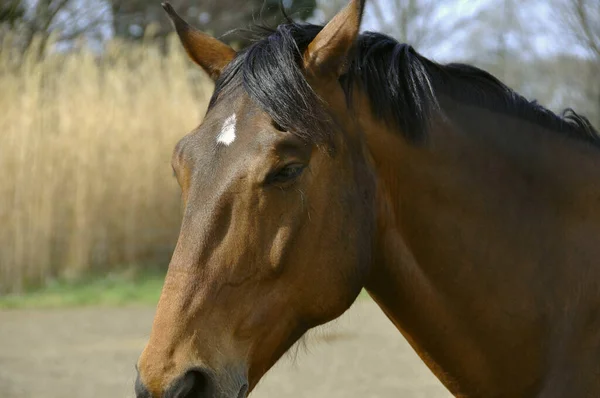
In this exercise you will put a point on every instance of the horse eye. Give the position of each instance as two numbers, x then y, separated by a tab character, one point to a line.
287	173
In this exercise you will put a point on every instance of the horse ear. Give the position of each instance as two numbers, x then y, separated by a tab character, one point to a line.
211	54
328	53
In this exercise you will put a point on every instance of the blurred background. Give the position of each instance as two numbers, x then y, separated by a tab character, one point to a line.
94	94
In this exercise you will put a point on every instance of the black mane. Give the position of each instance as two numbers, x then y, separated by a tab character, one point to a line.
402	86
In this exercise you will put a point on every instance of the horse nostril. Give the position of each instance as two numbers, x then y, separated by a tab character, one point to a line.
140	389
243	392
196	383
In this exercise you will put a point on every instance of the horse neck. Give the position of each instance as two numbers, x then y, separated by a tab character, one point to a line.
464	222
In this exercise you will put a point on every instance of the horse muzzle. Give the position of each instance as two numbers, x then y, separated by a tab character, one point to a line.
198	383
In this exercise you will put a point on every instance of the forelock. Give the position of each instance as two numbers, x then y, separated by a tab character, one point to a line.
270	72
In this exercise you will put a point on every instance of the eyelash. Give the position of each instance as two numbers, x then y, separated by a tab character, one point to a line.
280	176
277	126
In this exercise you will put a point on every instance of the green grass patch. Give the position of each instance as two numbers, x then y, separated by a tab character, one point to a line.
118	289
113	290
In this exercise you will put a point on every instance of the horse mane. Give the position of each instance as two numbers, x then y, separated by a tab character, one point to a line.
402	86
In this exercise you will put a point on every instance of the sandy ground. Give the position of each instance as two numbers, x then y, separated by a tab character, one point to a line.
88	353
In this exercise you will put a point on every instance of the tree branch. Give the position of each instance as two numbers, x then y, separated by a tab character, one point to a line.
585	26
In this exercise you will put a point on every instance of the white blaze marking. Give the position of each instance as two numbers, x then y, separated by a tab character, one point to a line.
227	135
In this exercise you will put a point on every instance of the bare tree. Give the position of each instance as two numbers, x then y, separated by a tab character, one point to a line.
66	19
501	40
581	19
217	17
581	23
420	23
11	12
70	19
327	9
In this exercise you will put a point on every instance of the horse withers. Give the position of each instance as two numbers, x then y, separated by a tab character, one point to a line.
331	161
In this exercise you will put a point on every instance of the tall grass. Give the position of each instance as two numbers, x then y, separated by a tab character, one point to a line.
85	144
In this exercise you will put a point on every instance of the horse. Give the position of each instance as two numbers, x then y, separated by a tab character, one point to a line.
331	161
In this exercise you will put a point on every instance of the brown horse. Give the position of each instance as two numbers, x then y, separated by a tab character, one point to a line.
330	161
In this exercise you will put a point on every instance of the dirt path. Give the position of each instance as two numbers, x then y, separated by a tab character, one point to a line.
88	353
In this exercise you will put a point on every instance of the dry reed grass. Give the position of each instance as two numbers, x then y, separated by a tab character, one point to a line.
85	145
